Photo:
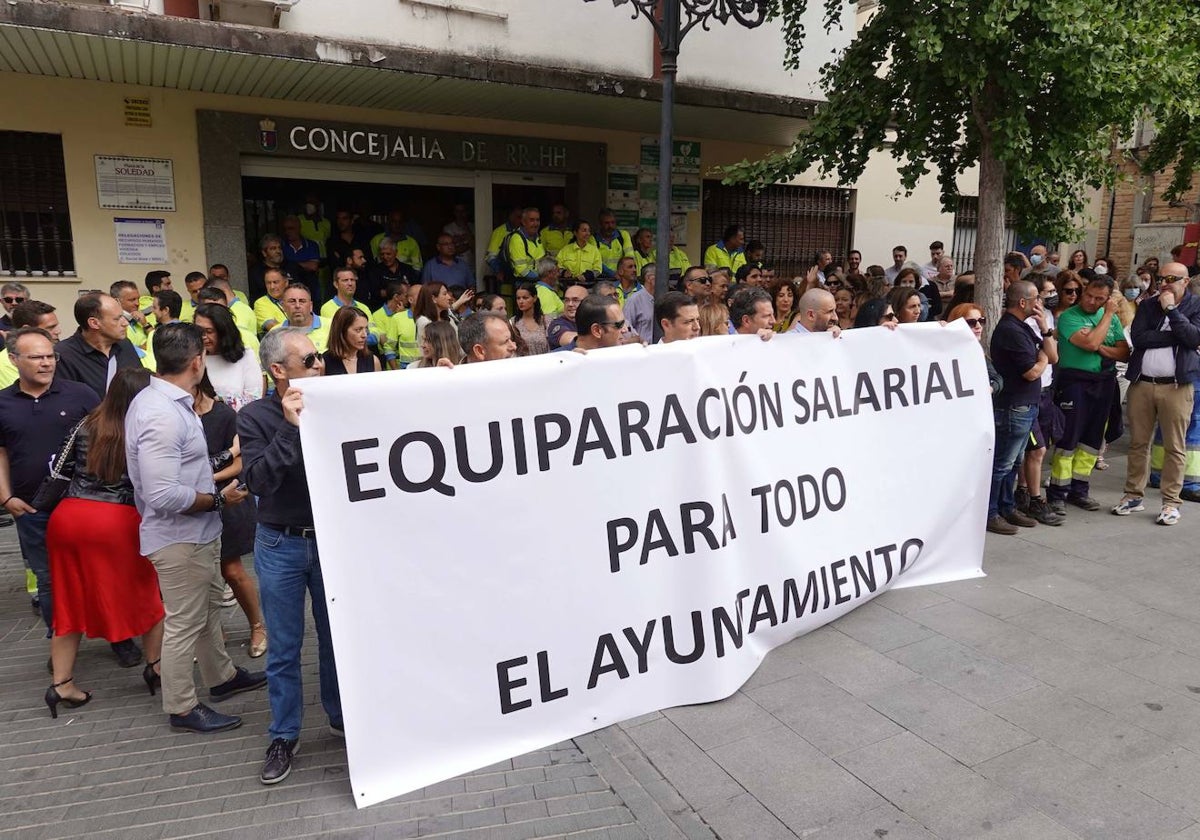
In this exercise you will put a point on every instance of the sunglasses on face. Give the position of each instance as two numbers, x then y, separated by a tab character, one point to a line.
1164	278
890	316
975	322
14	299
1071	290
310	361
620	325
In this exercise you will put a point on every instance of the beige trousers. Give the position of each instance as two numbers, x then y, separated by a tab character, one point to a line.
189	576
1171	407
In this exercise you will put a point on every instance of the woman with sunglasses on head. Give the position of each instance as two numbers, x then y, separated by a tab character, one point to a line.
348	353
103	585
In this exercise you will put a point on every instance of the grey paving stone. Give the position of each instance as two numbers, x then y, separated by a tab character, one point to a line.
956	726
979	678
848	664
1031	826
1103	641
745	818
938	792
824	715
1086	732
905	601
1083	598
713	724
779	664
1173	779
803	788
1170	668
879	628
998	601
699	779
1170	631
885	823
1074	794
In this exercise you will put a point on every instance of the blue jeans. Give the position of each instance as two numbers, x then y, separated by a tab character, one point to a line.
287	566
1013	426
31	532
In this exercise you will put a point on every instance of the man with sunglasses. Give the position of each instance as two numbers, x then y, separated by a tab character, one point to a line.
1162	369
1020	358
12	295
285	546
600	324
697	283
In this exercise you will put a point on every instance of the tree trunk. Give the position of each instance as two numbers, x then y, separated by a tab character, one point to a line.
989	236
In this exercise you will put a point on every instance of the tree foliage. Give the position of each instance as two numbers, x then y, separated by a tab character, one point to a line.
1039	88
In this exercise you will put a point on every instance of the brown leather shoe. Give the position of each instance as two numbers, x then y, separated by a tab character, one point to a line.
1020	520
998	525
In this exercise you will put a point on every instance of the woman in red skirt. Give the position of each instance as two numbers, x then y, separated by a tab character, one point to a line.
103	586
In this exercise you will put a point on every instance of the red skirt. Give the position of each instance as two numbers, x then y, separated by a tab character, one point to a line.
102	586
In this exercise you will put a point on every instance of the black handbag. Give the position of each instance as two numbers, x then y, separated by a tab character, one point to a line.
54	486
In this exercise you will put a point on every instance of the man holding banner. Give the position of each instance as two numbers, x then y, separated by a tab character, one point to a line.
285	544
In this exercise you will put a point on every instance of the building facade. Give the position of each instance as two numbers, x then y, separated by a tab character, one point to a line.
170	134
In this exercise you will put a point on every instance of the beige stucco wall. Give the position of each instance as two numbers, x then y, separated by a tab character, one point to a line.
90	118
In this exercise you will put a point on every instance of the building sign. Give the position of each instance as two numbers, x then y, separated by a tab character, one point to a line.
141	241
127	183
685	155
137	112
383	144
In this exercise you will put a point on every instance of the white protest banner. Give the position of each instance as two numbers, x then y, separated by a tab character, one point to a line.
519	552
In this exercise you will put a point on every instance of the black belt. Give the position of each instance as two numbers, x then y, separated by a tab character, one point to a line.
306	532
1158	380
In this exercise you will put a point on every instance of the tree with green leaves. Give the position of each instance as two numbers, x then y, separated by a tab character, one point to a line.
1031	93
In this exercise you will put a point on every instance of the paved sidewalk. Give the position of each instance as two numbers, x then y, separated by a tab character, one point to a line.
1058	698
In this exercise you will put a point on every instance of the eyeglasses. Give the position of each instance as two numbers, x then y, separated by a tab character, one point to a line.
38	358
1070	290
7	299
310	361
618	324
890	316
975	322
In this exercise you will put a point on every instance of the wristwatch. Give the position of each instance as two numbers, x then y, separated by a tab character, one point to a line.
218	501
1169	308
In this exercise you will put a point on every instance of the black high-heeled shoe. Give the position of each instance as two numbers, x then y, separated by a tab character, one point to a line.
53	698
153	680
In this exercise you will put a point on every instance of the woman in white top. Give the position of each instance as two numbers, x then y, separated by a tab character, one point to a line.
434	302
233	370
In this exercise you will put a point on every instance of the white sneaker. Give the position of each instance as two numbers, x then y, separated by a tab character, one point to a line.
1168	516
227	597
1127	506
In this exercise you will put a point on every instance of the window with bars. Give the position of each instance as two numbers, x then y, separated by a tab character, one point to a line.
966	226
792	222
35	223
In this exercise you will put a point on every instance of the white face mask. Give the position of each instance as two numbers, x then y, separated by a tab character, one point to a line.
1101	269
1144	284
1035	259
310	209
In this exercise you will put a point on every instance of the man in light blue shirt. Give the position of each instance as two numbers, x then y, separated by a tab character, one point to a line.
180	505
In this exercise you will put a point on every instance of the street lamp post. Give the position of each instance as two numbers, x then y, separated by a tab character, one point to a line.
672	20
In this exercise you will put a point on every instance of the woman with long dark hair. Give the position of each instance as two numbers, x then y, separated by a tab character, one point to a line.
233	370
434	302
529	320
237	521
348	351
103	586
785	300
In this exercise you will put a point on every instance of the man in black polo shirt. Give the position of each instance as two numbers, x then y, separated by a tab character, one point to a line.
99	348
37	412
285	547
1019	357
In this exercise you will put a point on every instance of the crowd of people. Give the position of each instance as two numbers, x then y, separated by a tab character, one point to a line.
147	453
